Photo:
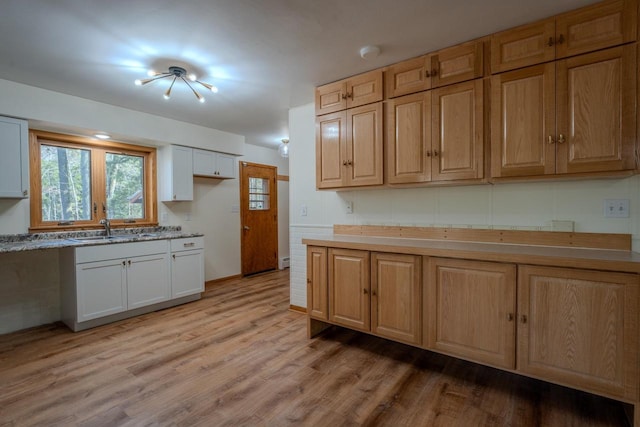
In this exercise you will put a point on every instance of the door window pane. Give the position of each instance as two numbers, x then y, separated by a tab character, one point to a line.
258	194
66	183
125	184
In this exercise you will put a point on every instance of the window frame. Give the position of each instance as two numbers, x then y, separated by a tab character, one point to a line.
98	150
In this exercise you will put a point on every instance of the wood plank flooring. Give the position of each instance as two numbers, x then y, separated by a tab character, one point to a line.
240	357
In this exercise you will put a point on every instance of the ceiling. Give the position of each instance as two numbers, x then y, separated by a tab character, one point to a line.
265	56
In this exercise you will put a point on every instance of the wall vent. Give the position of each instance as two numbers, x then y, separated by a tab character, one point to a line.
284	263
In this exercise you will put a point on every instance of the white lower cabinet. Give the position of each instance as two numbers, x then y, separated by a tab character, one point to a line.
187	266
104	283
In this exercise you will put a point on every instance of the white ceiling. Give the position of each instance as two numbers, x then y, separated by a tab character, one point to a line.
265	56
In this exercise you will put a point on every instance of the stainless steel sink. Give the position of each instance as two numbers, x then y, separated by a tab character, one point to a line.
99	238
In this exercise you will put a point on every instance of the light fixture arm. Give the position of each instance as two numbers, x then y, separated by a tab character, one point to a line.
177	72
198	96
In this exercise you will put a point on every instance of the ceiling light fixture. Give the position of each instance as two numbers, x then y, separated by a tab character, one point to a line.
283	149
369	52
177	73
102	136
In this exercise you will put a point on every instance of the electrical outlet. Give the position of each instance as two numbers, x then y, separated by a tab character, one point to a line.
349	207
303	210
616	208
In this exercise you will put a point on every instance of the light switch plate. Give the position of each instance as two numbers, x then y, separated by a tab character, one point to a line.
303	210
349	207
616	208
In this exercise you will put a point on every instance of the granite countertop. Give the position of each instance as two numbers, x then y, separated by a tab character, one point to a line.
55	240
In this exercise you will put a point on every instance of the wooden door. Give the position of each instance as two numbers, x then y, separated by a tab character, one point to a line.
409	139
259	214
596	95
331	97
458	132
331	140
457	64
396	297
523	118
411	76
470	309
364	162
364	89
596	27
523	46
579	328
349	301
317	286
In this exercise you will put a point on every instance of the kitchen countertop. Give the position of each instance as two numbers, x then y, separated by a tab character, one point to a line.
55	240
596	259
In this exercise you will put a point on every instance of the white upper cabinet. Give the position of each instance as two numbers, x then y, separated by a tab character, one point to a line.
213	165
177	182
14	158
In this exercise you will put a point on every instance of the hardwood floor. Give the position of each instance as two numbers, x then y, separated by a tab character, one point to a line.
240	357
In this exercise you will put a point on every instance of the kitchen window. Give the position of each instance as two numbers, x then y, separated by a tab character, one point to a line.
76	182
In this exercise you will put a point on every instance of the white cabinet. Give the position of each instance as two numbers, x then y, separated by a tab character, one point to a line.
148	280
187	266
213	165
177	174
101	289
14	161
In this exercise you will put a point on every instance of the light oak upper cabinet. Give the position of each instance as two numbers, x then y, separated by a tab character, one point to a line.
458	132
349	93
349	148
580	328
317	287
572	116
14	162
584	30
408	141
469	310
457	64
396	294
406	77
349	287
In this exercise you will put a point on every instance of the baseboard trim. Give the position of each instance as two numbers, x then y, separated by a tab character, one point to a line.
297	308
222	279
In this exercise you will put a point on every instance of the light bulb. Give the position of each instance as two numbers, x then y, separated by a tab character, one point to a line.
192	77
201	99
138	82
214	89
151	73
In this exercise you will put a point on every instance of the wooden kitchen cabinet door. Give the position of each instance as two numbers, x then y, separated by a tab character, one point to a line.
523	118
331	136
331	98
364	146
458	132
364	89
457	64
605	24
523	46
596	95
409	139
396	295
317	287
406	77
470	310
580	328
349	286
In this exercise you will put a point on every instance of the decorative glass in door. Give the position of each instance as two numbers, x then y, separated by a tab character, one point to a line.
259	196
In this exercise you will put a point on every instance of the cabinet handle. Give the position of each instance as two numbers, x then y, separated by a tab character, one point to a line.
25	193
523	318
124	263
435	153
550	42
173	256
364	291
560	39
188	245
373	293
350	95
561	139
129	262
344	163
510	317
550	140
434	72
343	96
308	281
349	162
428	153
427	73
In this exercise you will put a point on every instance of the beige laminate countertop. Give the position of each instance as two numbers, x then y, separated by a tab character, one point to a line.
596	259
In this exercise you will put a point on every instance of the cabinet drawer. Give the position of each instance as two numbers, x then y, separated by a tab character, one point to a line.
187	244
119	250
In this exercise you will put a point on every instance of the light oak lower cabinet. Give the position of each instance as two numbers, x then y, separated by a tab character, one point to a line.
349	286
317	300
396	292
579	328
470	310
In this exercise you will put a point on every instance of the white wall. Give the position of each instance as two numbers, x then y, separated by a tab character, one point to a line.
30	297
525	206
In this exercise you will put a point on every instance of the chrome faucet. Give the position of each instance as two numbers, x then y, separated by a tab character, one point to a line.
107	226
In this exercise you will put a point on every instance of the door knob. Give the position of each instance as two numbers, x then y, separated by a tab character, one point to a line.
246	227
